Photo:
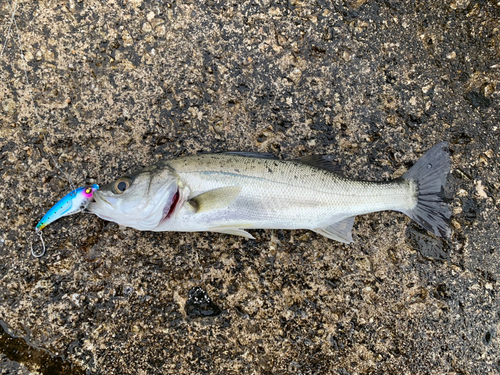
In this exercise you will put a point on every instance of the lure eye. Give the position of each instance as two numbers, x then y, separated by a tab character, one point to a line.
88	190
121	185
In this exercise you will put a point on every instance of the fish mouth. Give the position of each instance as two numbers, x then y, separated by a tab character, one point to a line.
100	199
169	208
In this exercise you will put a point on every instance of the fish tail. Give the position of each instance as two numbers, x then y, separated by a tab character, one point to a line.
429	176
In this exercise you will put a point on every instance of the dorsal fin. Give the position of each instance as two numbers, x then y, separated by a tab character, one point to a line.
250	154
320	161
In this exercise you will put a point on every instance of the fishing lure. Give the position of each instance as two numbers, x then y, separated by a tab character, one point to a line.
72	203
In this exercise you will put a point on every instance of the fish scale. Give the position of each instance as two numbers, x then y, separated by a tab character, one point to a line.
290	189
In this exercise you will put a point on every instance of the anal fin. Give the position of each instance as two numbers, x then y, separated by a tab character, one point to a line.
339	231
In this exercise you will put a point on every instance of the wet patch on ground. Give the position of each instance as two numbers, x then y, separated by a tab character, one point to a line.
17	357
429	246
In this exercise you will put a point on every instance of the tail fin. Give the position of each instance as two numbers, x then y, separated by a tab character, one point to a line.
429	173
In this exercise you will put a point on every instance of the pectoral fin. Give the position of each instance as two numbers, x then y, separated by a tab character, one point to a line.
233	231
215	199
339	231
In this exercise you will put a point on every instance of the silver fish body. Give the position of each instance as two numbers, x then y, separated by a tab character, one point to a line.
233	192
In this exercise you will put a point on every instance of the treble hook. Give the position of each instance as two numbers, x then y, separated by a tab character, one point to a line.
39	232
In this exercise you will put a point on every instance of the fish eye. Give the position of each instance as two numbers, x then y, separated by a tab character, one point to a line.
121	185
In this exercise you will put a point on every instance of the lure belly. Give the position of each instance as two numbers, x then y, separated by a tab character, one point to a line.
72	203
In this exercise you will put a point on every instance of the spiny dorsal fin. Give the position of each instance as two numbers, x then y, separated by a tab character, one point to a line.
339	231
319	161
250	154
215	199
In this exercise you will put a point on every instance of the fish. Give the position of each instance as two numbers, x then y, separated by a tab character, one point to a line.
234	192
72	203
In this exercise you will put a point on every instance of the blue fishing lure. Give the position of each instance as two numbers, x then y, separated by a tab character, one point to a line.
74	202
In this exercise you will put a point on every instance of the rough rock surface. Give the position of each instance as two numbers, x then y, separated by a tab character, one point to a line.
116	85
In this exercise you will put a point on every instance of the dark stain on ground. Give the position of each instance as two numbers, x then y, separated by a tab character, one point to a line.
488	337
17	350
470	209
478	100
200	305
428	245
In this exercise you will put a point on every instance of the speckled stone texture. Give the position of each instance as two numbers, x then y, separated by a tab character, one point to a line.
119	85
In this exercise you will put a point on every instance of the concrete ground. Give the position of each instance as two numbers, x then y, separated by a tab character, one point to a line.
116	85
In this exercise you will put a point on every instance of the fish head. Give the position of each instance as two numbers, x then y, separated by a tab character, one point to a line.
140	200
